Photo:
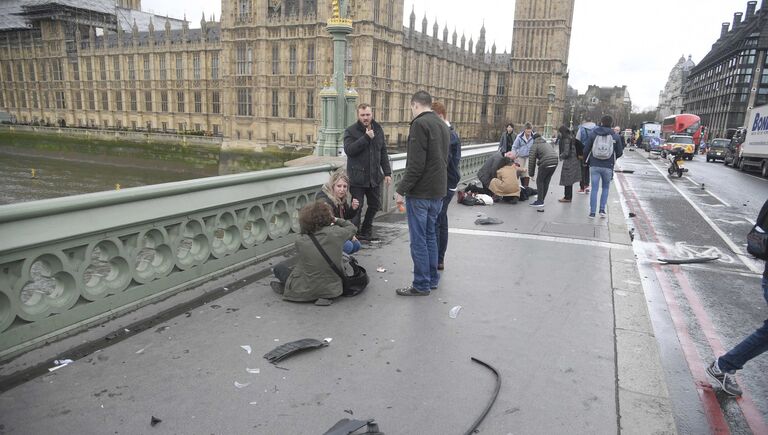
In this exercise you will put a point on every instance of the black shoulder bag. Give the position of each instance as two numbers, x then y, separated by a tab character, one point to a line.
757	239
352	285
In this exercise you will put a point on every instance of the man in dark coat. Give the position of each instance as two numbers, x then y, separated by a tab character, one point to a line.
424	184
367	166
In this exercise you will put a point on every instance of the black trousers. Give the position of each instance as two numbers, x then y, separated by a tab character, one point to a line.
584	175
542	181
373	195
569	192
282	270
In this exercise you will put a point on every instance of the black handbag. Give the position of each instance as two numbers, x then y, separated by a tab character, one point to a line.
352	285
757	243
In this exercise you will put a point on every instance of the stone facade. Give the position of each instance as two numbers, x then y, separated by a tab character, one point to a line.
255	76
732	78
671	98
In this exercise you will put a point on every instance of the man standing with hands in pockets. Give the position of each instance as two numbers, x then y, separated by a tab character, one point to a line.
367	166
423	185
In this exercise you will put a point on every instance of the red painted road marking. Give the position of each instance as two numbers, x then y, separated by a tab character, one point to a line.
751	414
707	396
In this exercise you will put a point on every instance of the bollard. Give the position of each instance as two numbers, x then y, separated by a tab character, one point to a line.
34	174
117	186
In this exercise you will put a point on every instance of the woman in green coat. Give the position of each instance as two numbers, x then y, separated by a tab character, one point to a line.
312	279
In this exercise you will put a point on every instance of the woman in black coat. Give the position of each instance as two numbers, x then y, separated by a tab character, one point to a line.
571	172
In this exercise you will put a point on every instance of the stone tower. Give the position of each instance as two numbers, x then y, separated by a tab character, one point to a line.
540	44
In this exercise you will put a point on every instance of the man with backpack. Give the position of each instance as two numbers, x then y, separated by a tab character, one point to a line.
601	150
581	138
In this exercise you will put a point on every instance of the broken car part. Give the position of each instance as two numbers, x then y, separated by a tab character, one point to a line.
285	350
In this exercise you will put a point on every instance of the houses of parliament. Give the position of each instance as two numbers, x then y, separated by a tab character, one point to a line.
254	76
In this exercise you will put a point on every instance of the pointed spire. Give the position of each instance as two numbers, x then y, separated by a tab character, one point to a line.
412	19
463	41
470	44
434	29
203	24
453	38
151	27
135	28
424	25
167	27
445	32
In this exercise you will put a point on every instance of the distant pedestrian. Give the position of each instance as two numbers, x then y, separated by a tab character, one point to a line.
522	147
581	138
571	172
335	193
724	369
617	130
367	166
507	139
543	156
424	184
602	149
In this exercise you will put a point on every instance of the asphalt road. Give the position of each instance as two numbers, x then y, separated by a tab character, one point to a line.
700	311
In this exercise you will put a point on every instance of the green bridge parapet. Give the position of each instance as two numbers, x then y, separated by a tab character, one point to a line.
69	263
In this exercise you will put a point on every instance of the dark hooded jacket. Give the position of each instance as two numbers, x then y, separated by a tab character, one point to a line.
454	159
618	150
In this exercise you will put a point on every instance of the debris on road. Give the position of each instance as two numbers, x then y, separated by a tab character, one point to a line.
239	385
493	398
346	426
632	214
381	269
688	260
154	421
454	312
246	348
488	221
253	371
60	363
285	350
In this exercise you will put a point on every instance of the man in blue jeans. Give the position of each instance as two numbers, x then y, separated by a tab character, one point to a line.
602	148
423	185
724	368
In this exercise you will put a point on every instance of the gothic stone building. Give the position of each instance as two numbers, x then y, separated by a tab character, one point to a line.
732	78
255	75
671	97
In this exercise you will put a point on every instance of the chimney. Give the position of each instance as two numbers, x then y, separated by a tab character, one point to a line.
724	30
737	19
751	6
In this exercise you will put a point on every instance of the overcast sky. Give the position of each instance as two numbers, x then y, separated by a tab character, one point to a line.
613	43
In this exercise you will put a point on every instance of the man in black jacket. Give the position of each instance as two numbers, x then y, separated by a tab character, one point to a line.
424	183
367	166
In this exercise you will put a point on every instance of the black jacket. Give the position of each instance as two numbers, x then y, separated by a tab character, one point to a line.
367	159
454	160
426	174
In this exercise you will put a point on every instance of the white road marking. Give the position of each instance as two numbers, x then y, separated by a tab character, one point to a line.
728	222
708	192
508	235
751	265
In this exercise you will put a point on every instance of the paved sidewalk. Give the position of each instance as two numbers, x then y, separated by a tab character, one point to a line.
552	300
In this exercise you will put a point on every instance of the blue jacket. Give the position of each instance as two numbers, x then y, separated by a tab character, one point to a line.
454	157
522	146
618	150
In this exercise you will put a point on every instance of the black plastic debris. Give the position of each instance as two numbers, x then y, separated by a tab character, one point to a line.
346	426
688	260
285	350
495	394
488	221
632	214
154	421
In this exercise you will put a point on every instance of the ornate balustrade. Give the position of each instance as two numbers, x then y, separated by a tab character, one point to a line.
69	263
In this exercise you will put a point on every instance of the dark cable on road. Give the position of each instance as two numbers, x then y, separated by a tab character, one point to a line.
491	402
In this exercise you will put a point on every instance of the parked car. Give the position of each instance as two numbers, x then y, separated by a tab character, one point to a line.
732	151
716	149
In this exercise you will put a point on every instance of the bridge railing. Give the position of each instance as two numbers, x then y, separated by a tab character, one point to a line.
69	263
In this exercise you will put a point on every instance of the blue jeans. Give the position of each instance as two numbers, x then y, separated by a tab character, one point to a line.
422	225
597	173
442	227
750	347
350	247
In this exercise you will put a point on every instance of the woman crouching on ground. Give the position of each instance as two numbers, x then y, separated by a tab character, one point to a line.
336	194
312	279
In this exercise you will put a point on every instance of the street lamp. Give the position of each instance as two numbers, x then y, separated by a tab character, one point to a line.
573	108
551	99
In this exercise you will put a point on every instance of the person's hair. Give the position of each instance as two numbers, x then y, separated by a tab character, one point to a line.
508	161
314	216
528	126
564	131
363	106
423	98
510	125
339	174
606	121
439	108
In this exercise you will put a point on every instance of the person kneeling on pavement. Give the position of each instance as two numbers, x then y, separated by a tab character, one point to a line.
335	193
312	279
506	184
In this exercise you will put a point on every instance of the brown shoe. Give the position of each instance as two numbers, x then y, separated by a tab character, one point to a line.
564	200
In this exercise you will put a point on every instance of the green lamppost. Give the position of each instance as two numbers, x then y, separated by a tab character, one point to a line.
551	100
337	100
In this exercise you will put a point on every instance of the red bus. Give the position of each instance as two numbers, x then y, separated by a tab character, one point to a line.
684	123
